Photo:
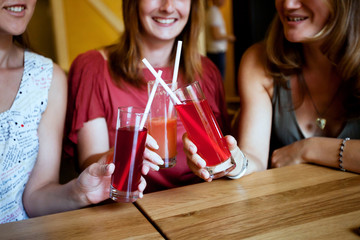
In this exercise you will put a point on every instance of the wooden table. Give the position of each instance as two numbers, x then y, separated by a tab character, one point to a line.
111	221
298	202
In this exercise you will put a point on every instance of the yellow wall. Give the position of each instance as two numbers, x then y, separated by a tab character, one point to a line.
86	28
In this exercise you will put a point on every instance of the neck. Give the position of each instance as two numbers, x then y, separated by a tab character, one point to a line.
315	60
9	53
158	54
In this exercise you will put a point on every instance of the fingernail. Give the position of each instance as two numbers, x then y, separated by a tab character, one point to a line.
202	164
155	146
204	174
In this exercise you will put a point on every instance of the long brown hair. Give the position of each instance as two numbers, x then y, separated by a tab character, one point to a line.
125	56
341	45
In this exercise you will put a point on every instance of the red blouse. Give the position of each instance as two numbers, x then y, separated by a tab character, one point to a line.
93	94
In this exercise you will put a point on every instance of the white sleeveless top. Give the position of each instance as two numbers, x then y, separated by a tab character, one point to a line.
19	143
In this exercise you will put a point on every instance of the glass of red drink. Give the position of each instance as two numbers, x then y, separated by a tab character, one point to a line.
128	154
163	124
203	130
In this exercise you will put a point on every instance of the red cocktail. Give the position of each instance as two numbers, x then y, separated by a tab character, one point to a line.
128	155
203	129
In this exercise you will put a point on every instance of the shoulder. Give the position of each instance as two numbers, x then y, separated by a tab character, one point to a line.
211	78
255	54
208	66
59	75
89	59
209	71
58	88
87	66
252	69
254	60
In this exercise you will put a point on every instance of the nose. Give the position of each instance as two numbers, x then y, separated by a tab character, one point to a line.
291	4
167	6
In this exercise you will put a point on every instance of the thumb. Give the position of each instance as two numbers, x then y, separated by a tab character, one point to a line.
100	170
231	142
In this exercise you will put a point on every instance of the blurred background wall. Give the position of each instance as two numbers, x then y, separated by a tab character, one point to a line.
62	29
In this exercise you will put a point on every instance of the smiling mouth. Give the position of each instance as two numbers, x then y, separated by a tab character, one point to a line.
165	20
16	9
296	19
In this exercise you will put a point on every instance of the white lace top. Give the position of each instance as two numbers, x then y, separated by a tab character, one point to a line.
19	142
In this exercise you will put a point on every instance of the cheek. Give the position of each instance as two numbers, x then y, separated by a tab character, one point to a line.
183	8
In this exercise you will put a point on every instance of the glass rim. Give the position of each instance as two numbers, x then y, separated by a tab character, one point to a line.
130	109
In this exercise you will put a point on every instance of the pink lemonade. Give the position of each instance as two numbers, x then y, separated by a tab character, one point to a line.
130	146
211	147
165	136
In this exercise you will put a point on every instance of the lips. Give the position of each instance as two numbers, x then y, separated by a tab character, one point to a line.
16	8
164	20
296	19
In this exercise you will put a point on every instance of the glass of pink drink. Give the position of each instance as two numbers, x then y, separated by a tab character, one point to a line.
163	125
128	154
203	130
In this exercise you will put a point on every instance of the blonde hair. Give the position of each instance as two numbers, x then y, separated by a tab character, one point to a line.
125	56
341	44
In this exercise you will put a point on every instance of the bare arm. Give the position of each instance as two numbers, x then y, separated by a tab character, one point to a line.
93	142
42	194
319	150
255	89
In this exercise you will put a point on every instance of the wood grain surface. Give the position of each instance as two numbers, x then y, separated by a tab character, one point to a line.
111	221
298	202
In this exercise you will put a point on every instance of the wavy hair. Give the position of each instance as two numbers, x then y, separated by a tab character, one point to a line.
125	56
341	44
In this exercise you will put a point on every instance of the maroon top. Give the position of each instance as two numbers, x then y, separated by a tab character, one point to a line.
93	94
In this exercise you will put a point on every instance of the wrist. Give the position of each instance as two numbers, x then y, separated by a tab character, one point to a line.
78	193
241	165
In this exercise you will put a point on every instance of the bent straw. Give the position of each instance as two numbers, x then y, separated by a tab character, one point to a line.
151	98
161	81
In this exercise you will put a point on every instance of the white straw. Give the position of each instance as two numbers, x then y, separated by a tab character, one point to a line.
161	81
176	66
151	98
175	73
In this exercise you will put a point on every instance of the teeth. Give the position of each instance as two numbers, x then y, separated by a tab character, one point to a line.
16	9
296	19
165	21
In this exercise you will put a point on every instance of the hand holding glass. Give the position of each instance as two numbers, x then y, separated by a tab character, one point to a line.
128	154
203	130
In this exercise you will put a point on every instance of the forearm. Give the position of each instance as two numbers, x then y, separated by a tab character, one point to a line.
325	151
54	198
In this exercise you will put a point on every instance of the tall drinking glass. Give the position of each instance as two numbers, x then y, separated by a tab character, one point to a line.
203	130
128	154
163	124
